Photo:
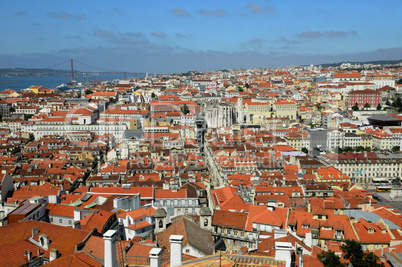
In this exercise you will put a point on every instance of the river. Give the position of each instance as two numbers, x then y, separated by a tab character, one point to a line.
49	82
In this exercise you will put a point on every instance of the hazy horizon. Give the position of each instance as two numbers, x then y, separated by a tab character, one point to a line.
169	37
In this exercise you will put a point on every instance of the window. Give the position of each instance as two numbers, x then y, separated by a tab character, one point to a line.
70	222
60	220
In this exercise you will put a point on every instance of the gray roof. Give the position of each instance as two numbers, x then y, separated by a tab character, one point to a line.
381	117
394	258
160	213
369	216
163	119
138	133
205	211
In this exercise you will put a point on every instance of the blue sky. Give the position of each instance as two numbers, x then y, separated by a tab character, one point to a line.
177	36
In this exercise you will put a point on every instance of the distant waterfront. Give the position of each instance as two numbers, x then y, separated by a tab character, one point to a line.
50	82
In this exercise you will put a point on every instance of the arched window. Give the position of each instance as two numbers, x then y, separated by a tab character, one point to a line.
160	223
205	222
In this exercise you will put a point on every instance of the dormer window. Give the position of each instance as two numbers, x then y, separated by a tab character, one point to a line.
44	241
371	230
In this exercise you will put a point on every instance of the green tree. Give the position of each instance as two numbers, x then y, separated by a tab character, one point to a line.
185	109
370	259
347	149
359	148
28	116
367	105
397	102
88	92
338	150
12	110
153	95
395	148
397	181
304	150
247	85
355	107
379	106
353	251
387	102
329	259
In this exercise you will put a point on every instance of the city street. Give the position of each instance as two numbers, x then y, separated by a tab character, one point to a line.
385	200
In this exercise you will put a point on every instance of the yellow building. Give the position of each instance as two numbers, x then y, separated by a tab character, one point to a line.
367	140
286	109
331	174
36	88
298	140
260	108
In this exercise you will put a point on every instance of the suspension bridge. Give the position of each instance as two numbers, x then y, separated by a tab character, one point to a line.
101	70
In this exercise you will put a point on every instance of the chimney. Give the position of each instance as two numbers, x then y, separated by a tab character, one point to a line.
77	215
29	256
283	252
300	252
110	248
176	256
155	257
77	225
308	240
35	231
54	254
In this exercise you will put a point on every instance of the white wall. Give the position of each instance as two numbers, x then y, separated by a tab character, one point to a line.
193	251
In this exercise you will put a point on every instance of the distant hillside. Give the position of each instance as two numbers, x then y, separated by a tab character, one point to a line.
378	62
20	72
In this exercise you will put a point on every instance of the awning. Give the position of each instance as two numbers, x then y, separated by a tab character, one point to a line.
380	180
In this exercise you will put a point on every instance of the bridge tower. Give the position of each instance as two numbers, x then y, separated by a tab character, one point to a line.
72	70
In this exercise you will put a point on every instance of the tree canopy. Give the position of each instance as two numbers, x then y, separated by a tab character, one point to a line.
352	252
185	109
355	107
